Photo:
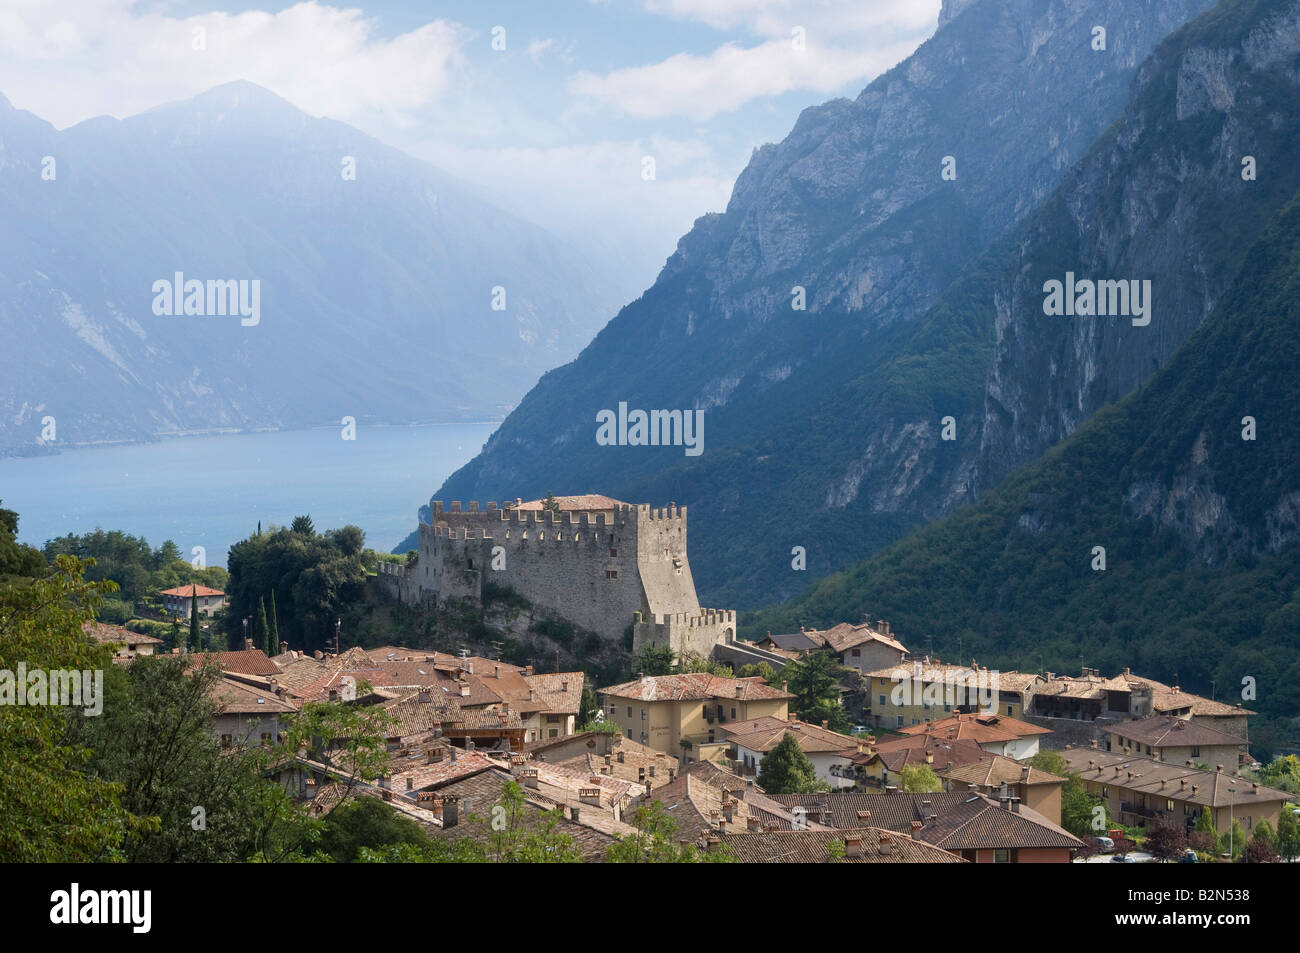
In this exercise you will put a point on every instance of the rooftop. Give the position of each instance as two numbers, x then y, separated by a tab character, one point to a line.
694	687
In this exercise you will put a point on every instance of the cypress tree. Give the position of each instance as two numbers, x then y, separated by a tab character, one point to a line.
196	637
275	628
262	632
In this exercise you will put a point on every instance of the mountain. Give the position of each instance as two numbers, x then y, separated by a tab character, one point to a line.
820	422
375	291
1159	480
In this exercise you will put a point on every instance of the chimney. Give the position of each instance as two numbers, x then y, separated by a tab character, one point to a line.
916	826
564	684
248	645
853	845
496	673
740	691
751	823
574	811
589	796
450	811
886	843
410	782
284	647
452	749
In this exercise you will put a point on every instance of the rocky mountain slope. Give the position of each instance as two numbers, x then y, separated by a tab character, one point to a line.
831	416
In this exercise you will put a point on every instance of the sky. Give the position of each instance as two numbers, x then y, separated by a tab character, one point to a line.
548	108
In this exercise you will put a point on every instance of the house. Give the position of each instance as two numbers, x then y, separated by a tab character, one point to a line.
996	734
911	691
247	715
1177	740
997	775
682	715
864	648
862	845
603	753
1137	789
967	824
704	809
830	752
881	765
126	644
178	601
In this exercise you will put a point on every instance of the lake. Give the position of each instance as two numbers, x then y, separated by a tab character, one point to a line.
211	491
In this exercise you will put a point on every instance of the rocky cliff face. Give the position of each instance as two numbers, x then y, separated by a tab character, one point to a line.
1174	194
830	411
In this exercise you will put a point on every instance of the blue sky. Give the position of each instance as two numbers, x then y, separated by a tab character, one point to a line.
555	127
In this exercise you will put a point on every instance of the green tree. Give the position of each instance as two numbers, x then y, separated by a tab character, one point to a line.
1208	842
1288	834
656	660
367	822
1236	841
275	626
1079	809
16	559
196	635
588	707
655	842
156	740
919	779
261	630
551	504
758	670
303	526
813	679
786	769
1053	762
51	809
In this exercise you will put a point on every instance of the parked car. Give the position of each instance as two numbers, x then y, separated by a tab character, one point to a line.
1122	859
1104	844
1189	857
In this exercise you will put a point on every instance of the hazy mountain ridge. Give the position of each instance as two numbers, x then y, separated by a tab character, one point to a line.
376	292
806	413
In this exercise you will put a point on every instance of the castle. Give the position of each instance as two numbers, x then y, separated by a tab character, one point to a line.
601	564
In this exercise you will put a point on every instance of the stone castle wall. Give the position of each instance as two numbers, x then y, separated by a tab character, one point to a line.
595	569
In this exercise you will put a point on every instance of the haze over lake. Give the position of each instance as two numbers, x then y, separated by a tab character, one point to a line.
211	491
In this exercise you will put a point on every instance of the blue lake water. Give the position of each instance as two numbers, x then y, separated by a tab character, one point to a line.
211	491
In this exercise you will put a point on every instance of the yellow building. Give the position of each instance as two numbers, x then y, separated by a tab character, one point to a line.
682	714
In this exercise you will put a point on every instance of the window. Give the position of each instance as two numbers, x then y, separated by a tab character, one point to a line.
643	714
611	573
266	738
629	711
733	713
1105	792
629	733
710	736
1196	751
553	733
883	700
1002	857
900	721
1169	806
227	741
1008	711
856	653
613	552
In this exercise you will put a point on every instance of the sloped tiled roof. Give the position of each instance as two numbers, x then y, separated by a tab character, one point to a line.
864	845
1173	781
895	753
242	662
1163	731
117	635
693	687
978	727
764	734
236	698
587	501
192	590
997	770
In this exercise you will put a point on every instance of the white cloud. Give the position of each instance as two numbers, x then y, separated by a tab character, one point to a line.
772	18
82	58
537	48
701	87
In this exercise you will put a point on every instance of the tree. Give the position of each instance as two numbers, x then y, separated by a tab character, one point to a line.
1236	841
51	808
1166	840
1208	841
758	670
1262	848
1288	834
656	660
588	707
16	559
262	631
1283	772
919	779
196	636
1081	811
1050	761
814	681
786	770
655	842
367	822
302	526
275	626
155	739
551	503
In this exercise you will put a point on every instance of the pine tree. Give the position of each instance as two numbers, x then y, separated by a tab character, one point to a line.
196	637
786	769
262	632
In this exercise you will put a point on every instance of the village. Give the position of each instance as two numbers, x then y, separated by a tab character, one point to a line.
940	761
